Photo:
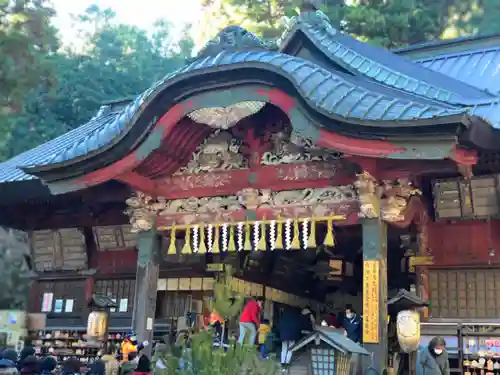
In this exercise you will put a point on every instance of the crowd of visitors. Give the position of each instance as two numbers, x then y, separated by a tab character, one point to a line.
111	363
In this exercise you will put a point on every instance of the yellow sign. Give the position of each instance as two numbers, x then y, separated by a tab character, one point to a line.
371	301
215	267
420	261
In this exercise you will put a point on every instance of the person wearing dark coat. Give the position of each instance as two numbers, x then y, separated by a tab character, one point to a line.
434	359
30	366
8	362
27	351
48	365
143	366
98	367
289	330
352	324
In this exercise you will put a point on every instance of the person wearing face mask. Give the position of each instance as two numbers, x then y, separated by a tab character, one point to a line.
352	324
434	359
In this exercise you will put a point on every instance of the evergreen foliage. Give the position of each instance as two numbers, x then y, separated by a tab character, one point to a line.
225	302
387	23
15	276
203	359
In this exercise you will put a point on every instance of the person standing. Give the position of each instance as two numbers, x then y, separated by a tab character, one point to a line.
434	359
8	362
289	327
352	324
128	366
250	320
143	366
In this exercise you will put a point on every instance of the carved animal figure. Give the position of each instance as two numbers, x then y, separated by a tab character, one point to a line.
366	186
220	151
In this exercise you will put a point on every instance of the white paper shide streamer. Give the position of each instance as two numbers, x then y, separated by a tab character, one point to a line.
240	236
196	239
288	234
272	234
224	237
305	233
210	237
256	232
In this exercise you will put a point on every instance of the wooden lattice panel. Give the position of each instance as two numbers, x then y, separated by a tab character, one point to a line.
58	249
116	237
119	290
465	293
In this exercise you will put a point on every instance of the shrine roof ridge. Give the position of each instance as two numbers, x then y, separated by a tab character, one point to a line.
380	64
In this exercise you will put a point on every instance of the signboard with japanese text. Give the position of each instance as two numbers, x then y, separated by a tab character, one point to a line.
371	301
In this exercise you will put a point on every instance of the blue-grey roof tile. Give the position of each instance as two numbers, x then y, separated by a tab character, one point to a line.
330	92
10	171
478	68
382	65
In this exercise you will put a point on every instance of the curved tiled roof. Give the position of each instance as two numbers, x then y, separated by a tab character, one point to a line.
478	68
332	93
381	90
383	66
10	171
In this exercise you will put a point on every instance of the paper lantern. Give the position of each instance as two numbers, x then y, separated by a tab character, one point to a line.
97	325
408	328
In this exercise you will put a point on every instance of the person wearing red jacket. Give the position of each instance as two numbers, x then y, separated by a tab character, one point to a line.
250	320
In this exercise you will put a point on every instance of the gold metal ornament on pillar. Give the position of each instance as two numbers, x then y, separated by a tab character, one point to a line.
408	329
97	325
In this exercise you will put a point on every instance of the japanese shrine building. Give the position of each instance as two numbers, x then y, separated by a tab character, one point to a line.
303	167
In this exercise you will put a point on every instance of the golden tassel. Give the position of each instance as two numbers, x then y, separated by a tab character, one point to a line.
296	236
186	249
215	246
279	235
231	247
311	242
248	244
262	246
329	239
203	248
172	250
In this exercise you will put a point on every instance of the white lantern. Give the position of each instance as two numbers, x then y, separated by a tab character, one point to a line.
408	328
96	325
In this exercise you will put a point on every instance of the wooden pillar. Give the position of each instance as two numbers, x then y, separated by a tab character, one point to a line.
146	282
375	291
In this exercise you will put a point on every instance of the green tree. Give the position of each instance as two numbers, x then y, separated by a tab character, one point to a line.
112	61
26	39
15	277
202	358
387	23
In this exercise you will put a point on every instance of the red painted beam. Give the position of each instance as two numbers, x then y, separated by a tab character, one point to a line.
463	156
279	177
355	146
138	182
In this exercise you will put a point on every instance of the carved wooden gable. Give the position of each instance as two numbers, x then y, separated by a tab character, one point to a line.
242	148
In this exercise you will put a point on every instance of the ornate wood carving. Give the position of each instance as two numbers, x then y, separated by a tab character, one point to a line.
304	203
220	151
389	199
229	182
290	148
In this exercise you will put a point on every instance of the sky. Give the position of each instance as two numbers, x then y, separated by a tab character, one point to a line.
140	13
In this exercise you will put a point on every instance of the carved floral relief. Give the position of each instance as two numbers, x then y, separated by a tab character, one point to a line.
220	151
289	148
143	210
